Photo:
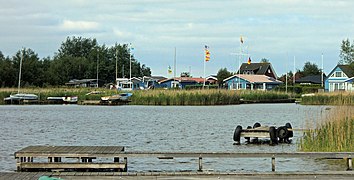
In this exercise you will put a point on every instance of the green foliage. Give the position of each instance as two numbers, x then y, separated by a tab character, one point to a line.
223	73
264	60
310	69
329	99
299	89
334	134
347	52
77	58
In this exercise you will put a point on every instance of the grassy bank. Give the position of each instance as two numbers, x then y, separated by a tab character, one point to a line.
335	133
335	98
43	93
157	97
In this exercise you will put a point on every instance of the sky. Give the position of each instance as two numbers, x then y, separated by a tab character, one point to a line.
278	30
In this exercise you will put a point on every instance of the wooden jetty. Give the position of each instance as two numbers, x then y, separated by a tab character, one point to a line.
58	158
86	154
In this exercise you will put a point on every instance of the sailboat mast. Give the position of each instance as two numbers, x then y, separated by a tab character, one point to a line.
19	74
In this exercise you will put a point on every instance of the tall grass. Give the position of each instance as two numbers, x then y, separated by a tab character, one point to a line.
263	95
184	97
334	98
334	133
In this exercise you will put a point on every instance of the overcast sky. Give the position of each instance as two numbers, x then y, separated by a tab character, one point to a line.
274	29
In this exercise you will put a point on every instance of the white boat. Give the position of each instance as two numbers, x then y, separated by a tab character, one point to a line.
20	97
63	100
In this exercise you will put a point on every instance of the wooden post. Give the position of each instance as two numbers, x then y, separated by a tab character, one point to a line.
126	164
273	163
350	164
200	164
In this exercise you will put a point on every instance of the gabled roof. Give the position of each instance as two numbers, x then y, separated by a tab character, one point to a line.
261	68
315	79
255	78
346	70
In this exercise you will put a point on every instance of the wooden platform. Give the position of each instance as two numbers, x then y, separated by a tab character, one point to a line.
177	175
58	158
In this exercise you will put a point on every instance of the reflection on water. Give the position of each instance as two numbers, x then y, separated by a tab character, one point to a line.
156	128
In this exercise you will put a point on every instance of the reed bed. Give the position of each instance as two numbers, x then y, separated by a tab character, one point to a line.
335	98
334	132
185	97
263	95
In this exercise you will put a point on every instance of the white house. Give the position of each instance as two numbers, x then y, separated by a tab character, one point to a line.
340	79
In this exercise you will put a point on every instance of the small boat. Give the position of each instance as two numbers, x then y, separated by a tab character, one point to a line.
63	100
20	97
117	97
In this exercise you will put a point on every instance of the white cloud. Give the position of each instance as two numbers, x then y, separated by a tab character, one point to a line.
79	25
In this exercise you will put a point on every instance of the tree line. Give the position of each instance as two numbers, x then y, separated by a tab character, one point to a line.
77	58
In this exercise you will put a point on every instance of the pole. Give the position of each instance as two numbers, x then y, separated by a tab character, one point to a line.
116	65
286	73
294	74
97	70
19	74
204	73
322	72
130	66
174	69
239	65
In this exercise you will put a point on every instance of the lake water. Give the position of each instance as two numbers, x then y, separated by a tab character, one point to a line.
159	128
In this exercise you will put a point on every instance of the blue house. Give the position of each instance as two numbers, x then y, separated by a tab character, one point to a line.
340	79
252	82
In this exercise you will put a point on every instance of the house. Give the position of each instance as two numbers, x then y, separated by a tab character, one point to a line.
181	82
85	83
312	79
212	79
340	79
151	82
257	69
252	82
125	84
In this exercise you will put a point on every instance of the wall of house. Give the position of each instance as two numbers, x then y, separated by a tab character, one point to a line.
232	83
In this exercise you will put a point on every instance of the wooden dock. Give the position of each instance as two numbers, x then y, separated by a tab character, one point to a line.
86	157
60	158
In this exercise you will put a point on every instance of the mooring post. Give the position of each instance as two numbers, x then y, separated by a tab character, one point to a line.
273	163
350	164
200	164
126	164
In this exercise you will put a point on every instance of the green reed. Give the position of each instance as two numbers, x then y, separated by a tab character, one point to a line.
334	133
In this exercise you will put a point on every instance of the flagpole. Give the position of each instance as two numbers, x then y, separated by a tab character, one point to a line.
294	74
204	60
322	72
286	73
174	69
239	65
130	66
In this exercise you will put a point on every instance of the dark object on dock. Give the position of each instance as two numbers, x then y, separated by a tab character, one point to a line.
276	135
70	158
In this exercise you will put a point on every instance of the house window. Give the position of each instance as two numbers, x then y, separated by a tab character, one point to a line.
338	74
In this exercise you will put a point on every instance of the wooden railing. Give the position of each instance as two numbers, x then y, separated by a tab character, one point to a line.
171	155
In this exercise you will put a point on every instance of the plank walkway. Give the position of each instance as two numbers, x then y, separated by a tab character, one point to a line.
178	175
58	158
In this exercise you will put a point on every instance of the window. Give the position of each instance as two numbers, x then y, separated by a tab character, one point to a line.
338	74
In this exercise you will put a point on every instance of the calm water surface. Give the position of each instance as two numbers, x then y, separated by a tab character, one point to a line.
158	128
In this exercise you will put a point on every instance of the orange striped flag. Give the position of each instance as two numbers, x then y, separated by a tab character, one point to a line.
207	53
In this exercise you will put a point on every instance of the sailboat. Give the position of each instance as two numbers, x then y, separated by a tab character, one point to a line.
20	97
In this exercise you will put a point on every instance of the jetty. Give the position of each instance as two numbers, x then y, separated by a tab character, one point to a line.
85	157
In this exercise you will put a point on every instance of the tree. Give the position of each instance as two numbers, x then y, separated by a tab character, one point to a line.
264	60
223	73
346	53
310	69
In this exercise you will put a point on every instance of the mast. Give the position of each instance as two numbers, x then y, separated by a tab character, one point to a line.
97	70
19	74
174	68
116	64
322	72
130	66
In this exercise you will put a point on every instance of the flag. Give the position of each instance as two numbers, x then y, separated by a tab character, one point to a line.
241	39
169	70
207	53
249	60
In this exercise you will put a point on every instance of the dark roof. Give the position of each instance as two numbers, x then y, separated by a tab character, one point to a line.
314	79
261	68
347	70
